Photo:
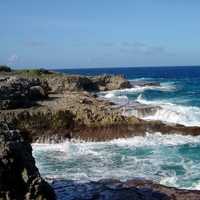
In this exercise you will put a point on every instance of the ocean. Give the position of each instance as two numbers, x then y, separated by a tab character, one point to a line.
172	160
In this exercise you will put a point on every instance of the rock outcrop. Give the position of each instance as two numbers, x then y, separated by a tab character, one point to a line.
19	177
109	82
61	84
21	92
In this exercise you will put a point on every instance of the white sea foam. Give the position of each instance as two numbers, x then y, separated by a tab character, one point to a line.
137	89
195	186
156	139
149	139
117	99
120	96
154	156
169	181
173	113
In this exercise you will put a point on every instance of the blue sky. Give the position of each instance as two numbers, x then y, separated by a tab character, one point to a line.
99	33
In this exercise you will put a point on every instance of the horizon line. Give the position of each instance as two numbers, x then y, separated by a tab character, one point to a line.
88	67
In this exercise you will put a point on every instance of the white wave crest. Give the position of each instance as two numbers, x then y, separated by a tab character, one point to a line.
137	88
173	113
119	96
156	139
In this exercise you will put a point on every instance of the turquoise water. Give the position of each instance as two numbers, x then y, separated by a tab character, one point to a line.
172	160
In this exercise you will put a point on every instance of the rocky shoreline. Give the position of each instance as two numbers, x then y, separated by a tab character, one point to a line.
19	177
53	107
48	107
135	189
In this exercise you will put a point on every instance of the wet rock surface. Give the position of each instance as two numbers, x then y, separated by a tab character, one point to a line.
144	84
136	189
139	110
19	177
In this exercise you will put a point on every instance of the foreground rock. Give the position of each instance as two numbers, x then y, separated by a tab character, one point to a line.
117	190
19	177
21	92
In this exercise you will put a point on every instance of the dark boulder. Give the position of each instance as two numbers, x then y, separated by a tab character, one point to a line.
4	68
37	92
19	177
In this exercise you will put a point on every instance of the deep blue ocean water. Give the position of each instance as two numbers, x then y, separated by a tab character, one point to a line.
172	160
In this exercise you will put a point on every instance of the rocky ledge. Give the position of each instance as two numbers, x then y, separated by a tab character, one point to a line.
136	189
51	107
19	177
61	84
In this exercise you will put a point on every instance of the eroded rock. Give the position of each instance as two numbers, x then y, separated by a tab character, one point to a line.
21	92
19	177
109	82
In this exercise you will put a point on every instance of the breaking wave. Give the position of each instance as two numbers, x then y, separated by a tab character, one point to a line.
163	109
173	113
169	159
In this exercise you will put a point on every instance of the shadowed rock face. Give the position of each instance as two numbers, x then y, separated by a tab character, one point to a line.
21	92
19	177
136	189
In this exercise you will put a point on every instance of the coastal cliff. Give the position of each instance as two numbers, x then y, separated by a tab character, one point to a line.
19	177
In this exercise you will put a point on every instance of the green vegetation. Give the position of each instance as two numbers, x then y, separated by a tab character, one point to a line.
36	73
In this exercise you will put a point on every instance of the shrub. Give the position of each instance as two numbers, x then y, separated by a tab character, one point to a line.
4	68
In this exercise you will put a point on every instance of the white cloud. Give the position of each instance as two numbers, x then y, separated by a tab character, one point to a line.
13	59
